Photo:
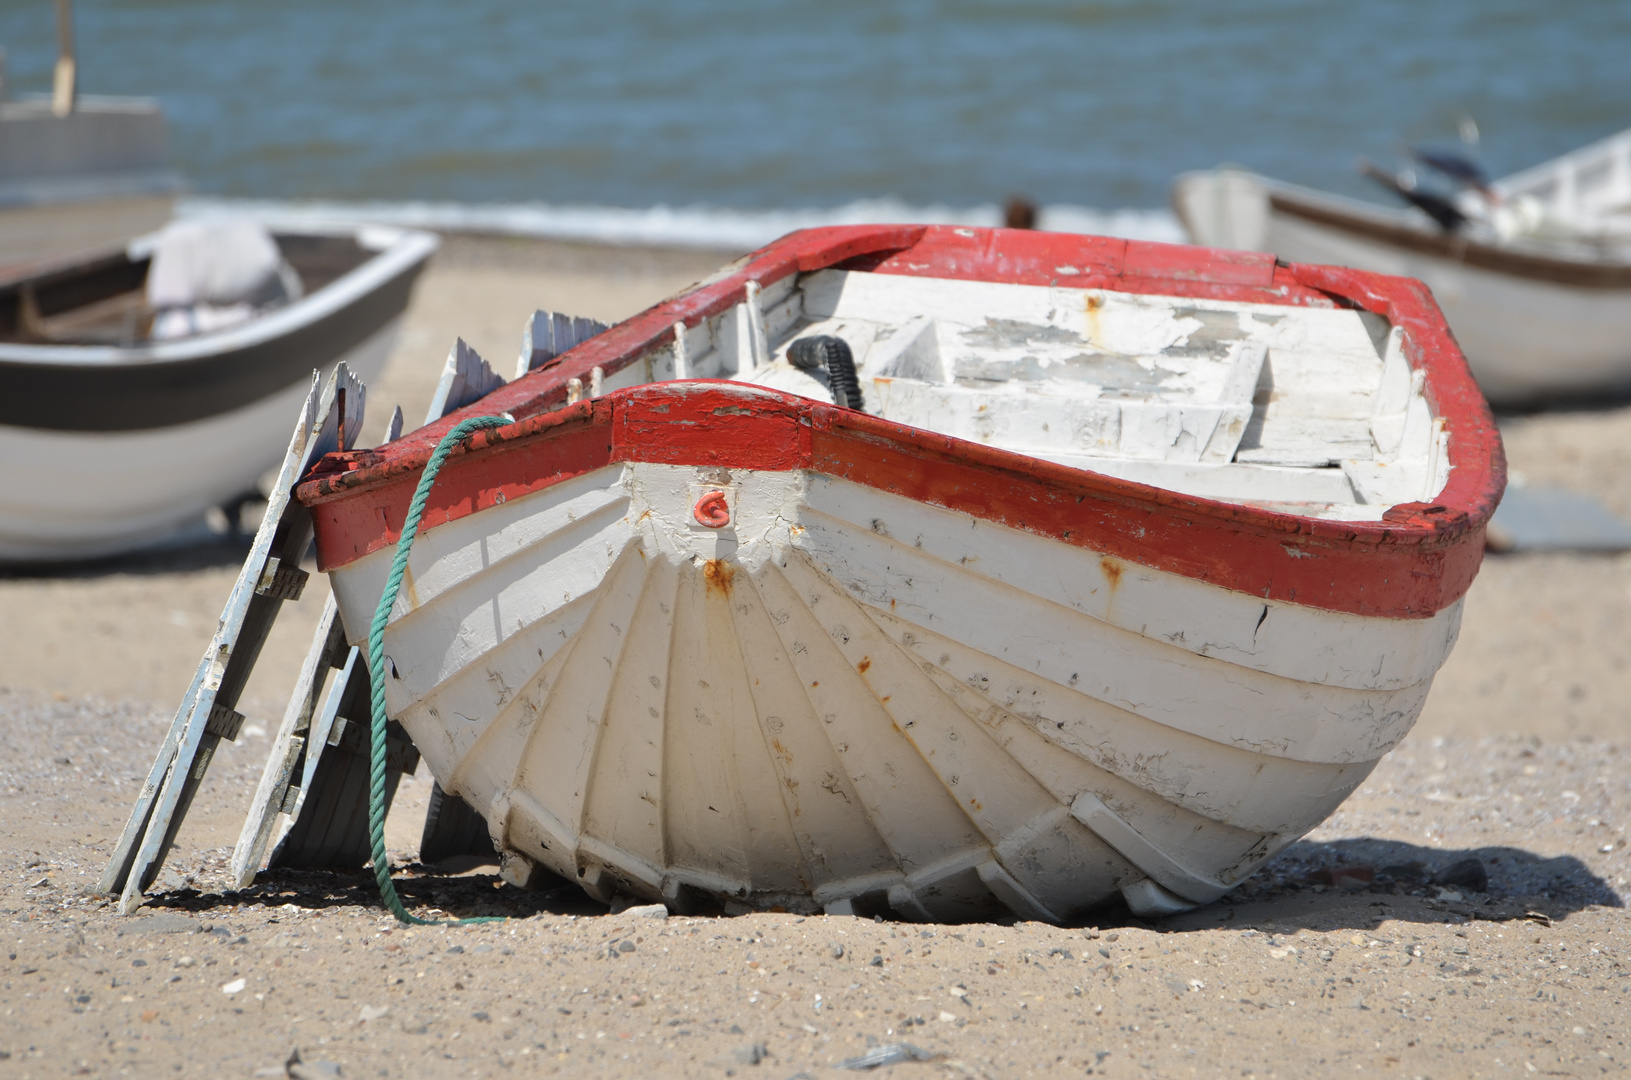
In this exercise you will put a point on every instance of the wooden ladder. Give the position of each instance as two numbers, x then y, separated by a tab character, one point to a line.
310	809
330	420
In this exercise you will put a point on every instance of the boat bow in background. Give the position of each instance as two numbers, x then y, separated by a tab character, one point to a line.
1536	282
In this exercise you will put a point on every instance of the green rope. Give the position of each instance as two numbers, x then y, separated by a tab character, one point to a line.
376	668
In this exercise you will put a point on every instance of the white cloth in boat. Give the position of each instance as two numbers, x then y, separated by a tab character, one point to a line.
215	272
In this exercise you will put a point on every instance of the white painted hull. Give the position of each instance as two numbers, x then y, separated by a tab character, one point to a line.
848	697
1525	338
80	494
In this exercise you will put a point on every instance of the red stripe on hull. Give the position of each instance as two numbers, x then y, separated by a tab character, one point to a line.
1324	564
1411	570
567	443
1415	562
702	426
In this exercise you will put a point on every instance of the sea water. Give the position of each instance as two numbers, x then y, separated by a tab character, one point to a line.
727	121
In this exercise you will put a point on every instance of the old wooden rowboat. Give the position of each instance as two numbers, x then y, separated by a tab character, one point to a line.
1136	561
1537	286
110	439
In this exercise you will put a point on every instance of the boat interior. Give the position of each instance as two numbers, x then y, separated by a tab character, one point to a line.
1310	411
101	300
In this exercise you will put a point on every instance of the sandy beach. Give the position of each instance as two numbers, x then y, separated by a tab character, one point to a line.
1485	936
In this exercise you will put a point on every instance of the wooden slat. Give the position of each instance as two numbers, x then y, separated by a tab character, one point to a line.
466	377
548	334
316	832
453	829
283	765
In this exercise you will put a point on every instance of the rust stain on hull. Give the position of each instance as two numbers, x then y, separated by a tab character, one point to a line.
1112	571
413	592
719	575
1094	305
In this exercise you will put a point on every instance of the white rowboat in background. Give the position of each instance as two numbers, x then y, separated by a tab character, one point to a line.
1537	286
110	440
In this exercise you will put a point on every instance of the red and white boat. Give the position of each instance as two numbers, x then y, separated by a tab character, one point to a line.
1136	561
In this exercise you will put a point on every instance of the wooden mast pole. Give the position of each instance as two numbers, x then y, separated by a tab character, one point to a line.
63	85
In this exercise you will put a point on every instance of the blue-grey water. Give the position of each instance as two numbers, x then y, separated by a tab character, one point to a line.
754	106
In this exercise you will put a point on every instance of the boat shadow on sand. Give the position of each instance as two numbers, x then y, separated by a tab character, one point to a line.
203	547
1607	401
427	891
1360	881
1347	884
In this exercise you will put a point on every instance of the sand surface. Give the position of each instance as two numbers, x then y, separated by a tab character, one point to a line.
1522	761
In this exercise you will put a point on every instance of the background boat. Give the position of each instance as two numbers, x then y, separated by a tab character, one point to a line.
1536	285
110	440
79	173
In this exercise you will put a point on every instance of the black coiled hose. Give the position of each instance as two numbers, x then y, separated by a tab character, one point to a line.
832	353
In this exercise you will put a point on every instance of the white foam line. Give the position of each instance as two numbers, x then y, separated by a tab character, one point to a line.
691	227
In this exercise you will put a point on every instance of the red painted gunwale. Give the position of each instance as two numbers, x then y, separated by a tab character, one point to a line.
1414	563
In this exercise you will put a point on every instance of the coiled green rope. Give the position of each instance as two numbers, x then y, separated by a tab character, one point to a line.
376	667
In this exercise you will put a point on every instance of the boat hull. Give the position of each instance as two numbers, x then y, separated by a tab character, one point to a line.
1533	329
67	495
715	643
108	448
846	697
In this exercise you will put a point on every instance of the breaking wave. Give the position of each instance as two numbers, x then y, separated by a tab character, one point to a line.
664	226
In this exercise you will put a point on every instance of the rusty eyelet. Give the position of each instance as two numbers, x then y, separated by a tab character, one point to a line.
712	511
